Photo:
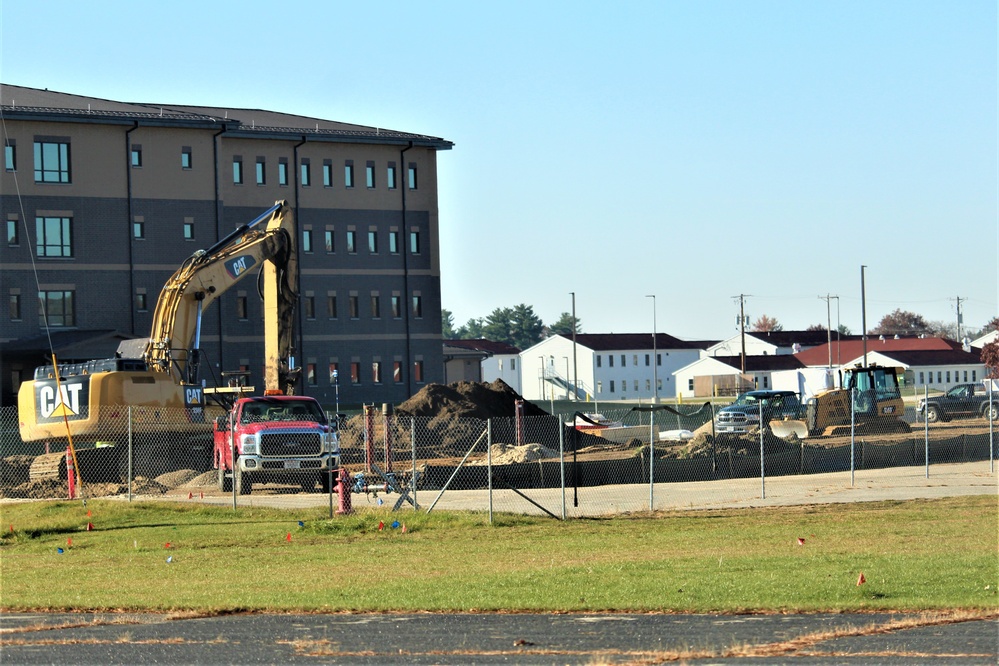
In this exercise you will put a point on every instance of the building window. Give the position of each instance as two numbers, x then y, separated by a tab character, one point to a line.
310	307
636	385
351	242
610	360
310	374
186	158
306	175
14	307
513	365
417	306
261	171
283	172
659	360
373	242
397	372
56	308
241	305
418	372
921	378
331	306
600	387
188	230
139	229
136	155
307	240
355	372
354	309
327	173
10	156
54	237
974	375
414	242
140	301
376	372
13	238
393	242
334	372
948	376
396	307
412	176
376	306
599	360
648	386
623	360
612	386
237	170
369	175
648	360
328	241
52	162
390	176
348	174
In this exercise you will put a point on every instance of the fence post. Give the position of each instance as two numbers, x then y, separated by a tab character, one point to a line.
652	458
129	470
853	432
763	475
412	445
561	459
489	465
926	428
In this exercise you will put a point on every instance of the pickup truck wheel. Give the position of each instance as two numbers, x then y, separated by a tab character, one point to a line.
243	484
225	482
932	414
991	412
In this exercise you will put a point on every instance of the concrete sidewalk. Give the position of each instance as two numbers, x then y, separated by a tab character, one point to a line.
896	483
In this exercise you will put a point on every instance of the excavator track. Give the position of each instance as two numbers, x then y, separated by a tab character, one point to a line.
48	466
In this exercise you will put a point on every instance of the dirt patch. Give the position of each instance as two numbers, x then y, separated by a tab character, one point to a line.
57	488
508	454
176	479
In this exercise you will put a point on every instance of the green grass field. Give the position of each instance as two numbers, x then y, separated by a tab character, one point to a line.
915	555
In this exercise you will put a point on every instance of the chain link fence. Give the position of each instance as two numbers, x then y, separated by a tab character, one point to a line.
579	464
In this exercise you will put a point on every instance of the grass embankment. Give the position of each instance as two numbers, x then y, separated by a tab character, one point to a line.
916	555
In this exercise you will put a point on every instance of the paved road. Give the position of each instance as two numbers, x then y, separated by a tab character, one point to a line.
490	639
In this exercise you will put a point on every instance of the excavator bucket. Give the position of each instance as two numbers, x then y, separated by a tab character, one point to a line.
784	429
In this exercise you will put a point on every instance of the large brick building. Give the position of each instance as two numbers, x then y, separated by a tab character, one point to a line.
103	200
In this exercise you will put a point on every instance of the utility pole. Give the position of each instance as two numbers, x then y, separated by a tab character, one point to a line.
863	312
828	299
655	354
960	317
575	380
742	329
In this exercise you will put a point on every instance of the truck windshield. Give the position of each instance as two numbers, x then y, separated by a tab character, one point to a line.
284	410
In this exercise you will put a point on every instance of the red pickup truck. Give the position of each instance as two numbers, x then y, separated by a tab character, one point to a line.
276	439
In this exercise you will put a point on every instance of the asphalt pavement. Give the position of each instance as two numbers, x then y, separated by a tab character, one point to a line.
518	638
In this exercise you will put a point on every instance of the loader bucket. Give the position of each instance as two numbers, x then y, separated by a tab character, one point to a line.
784	429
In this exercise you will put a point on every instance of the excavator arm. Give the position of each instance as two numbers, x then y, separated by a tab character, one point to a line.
267	245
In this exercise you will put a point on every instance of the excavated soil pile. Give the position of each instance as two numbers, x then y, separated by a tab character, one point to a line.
466	400
446	417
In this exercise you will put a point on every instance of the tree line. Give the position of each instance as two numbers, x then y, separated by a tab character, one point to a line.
521	327
518	326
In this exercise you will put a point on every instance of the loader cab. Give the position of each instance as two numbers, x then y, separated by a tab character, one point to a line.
872	386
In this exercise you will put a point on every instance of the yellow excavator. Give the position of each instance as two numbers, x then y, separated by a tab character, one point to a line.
161	374
869	402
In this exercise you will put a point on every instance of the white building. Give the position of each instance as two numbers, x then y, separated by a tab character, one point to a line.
605	367
712	376
768	343
481	361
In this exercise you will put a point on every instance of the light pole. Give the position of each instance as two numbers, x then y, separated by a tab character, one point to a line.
655	354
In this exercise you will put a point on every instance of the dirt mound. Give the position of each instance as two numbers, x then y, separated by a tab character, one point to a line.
467	400
176	479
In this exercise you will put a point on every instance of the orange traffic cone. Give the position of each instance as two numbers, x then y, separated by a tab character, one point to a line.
69	541
381	525
90	527
190	495
861	580
801	541
404	528
288	538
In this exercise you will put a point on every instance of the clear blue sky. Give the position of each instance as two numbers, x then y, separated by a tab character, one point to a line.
690	149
